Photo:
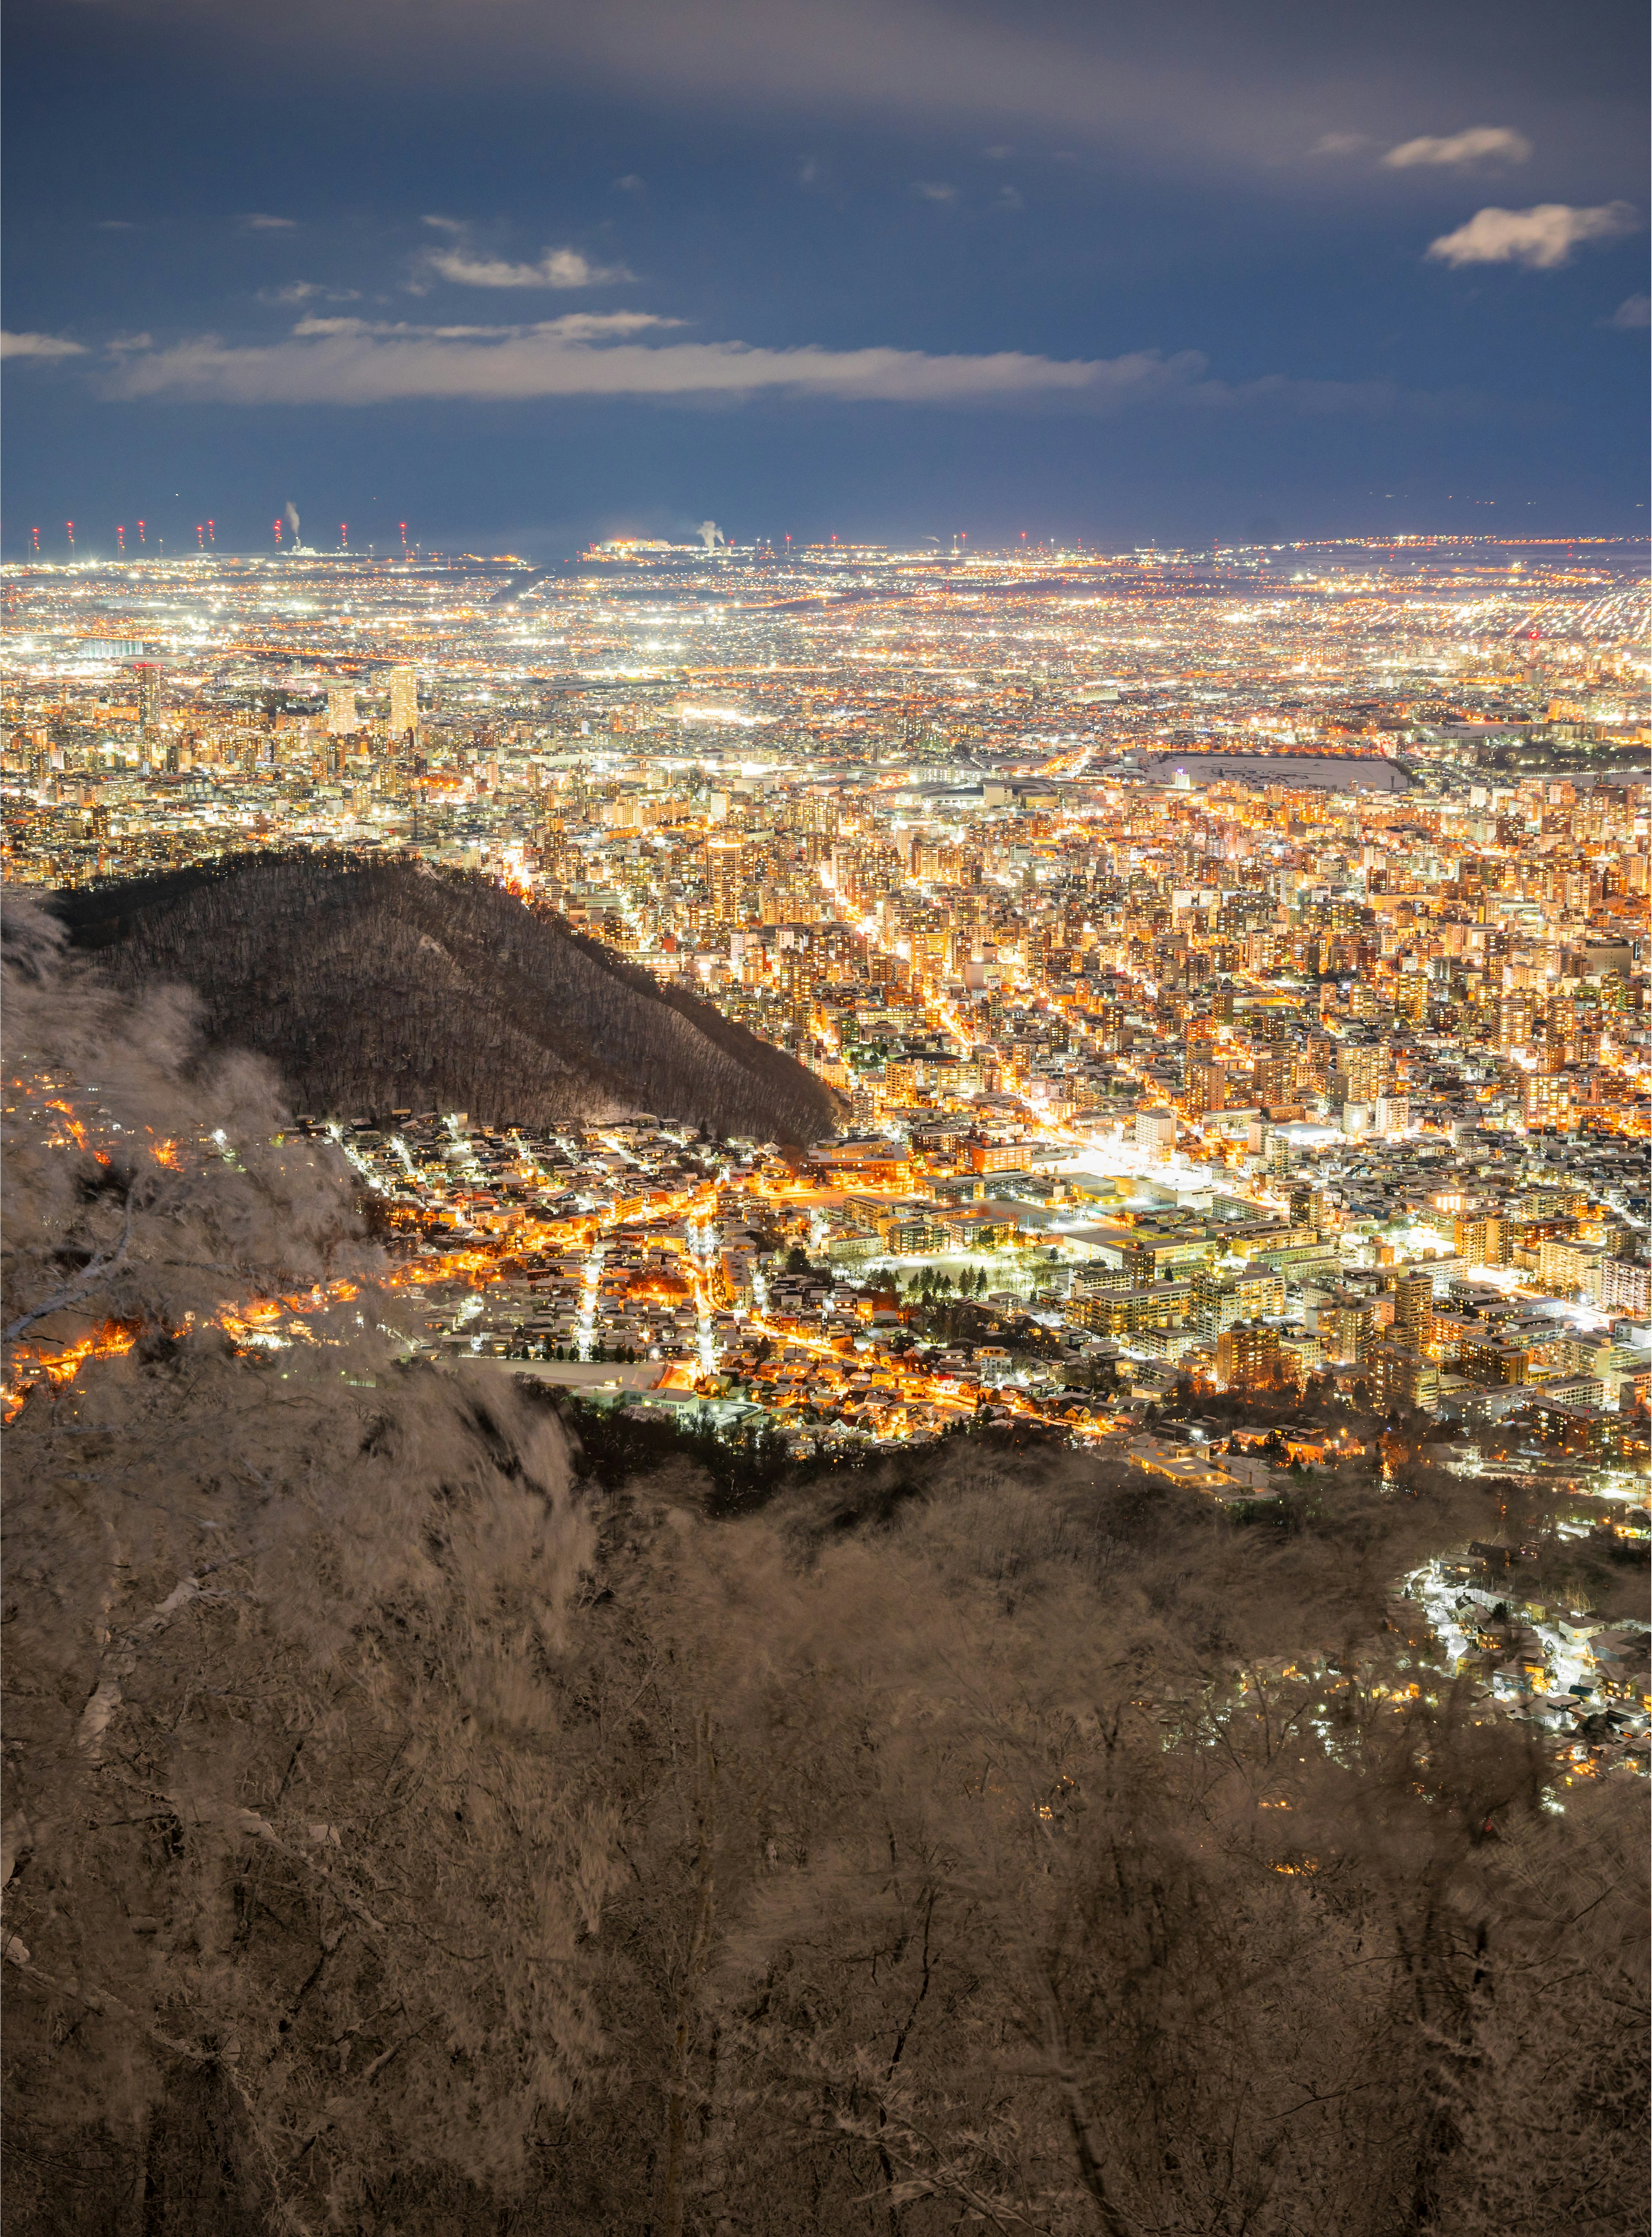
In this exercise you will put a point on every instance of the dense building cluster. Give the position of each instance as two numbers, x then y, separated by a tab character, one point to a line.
1233	966
1206	936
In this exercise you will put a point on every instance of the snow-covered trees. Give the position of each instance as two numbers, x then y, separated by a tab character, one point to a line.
401	1839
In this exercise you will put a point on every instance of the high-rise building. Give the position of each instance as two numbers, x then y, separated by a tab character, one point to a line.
1480	1241
1547	1099
1207	1084
1247	1357
1344	1327
1626	1287
1274	1080
1360	1074
151	682
1516	1013
1403	1379
723	860
1414	1309
404	706
341	716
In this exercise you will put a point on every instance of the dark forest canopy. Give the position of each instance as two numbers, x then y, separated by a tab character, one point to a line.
375	985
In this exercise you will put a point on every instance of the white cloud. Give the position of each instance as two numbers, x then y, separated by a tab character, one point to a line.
934	190
260	222
306	291
1009	198
354	361
575	326
632	184
1635	311
357	361
39	346
556	268
1340	143
1480	143
1541	237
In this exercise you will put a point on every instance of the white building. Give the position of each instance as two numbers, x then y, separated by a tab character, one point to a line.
1156	1133
1625	1286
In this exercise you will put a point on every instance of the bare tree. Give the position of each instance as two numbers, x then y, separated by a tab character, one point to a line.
285	1643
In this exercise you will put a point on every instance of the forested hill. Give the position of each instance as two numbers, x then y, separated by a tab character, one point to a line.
379	984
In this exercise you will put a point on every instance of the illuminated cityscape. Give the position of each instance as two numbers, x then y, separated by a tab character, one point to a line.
826	1163
1230	964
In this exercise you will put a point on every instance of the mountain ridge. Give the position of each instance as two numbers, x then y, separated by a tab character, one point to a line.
373	984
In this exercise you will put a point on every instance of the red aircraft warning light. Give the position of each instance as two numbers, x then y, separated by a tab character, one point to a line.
69	525
211	538
344	536
278	535
35	532
120	542
140	532
201	536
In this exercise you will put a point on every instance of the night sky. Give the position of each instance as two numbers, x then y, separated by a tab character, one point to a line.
521	274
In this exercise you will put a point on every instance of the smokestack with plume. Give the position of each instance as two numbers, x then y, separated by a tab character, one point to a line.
292	519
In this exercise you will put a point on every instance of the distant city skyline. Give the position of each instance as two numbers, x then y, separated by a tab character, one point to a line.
523	279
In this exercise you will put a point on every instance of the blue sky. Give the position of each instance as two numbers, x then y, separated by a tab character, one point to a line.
521	273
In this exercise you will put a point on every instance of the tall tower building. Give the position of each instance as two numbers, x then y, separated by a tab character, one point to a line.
150	679
1414	1310
341	716
723	859
1275	1077
404	706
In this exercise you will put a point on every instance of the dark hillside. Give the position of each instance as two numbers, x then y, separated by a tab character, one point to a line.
377	984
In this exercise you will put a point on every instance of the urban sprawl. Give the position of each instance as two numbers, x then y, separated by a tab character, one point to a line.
1234	968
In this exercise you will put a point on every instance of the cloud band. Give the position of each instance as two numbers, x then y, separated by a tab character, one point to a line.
351	361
